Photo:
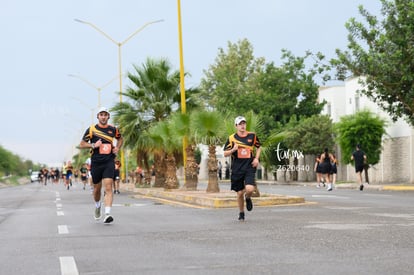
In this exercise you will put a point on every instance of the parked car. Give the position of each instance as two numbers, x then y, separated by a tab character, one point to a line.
34	176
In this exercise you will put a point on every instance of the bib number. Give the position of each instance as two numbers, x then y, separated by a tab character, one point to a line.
243	153
105	149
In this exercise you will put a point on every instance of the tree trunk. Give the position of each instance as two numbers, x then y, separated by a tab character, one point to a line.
212	186
147	173
191	169
171	180
159	167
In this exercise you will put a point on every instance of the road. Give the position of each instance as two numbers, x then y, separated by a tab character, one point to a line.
50	230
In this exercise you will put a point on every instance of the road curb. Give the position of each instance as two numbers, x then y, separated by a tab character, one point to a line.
222	199
398	188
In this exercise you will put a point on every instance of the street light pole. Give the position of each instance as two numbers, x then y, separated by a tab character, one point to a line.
182	86
119	44
99	89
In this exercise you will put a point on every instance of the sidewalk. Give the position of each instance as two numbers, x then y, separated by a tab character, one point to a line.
378	187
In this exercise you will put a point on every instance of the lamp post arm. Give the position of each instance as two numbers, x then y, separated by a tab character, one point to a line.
84	80
98	29
140	29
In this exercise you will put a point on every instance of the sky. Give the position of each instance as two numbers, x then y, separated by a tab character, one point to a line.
52	65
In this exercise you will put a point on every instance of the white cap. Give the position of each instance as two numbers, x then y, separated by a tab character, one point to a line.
239	119
103	109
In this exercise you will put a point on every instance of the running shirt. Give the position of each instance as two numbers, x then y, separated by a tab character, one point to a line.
359	158
243	157
106	134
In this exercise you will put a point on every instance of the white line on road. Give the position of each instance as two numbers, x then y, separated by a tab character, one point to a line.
68	266
128	204
329	196
60	213
63	229
59	205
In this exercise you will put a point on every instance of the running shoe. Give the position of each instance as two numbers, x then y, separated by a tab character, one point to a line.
361	187
108	218
98	213
249	204
241	216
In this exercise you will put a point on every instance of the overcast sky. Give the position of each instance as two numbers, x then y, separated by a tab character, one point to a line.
44	112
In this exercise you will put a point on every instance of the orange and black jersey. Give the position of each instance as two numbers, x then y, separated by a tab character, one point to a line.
243	157
107	135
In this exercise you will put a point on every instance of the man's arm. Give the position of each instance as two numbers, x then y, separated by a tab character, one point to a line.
85	145
118	146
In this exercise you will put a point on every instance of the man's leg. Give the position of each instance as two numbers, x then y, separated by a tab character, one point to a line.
108	183
249	192
97	198
359	177
240	199
240	203
97	191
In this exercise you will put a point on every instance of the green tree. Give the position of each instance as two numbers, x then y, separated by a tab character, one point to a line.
362	128
382	53
238	82
311	135
308	136
12	164
288	90
232	77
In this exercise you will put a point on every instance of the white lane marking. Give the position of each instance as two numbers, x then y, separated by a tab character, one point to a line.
329	196
57	199
63	229
68	266
59	205
128	204
60	213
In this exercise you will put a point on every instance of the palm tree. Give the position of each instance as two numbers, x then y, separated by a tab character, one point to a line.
182	126
150	99
163	134
207	127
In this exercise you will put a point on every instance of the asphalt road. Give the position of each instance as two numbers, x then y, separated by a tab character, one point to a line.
50	230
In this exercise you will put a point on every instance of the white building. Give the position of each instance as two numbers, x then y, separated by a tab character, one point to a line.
397	163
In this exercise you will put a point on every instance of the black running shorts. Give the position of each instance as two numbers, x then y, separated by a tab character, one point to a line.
240	180
103	170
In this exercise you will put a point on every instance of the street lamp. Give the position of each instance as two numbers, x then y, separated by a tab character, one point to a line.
119	44
99	89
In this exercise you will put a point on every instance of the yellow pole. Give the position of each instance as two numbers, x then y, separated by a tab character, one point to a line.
182	86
